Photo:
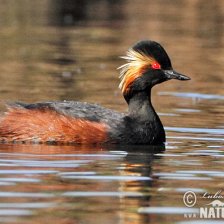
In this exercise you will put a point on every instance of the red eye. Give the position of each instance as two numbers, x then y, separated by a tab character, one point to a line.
156	65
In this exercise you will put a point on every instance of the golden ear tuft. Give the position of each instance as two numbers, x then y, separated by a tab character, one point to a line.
138	63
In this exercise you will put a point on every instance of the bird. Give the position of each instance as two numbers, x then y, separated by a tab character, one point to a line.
71	122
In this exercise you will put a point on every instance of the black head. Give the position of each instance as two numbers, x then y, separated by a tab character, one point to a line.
148	64
154	50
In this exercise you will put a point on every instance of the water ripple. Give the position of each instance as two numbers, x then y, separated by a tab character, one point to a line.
14	212
196	138
193	95
196	130
20	179
102	194
167	210
32	172
28	205
7	194
106	178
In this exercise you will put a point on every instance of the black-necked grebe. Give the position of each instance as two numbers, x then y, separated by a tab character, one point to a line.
74	122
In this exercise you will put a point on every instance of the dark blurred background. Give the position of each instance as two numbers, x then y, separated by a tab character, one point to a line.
56	49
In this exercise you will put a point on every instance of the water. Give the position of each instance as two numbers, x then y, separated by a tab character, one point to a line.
55	51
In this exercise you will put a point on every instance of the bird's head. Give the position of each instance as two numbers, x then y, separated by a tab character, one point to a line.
147	65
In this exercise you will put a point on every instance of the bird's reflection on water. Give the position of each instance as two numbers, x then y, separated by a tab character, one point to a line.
81	176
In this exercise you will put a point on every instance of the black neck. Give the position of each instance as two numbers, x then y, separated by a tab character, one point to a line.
140	106
145	123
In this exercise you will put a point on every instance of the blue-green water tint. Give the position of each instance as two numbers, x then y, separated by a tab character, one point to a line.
57	50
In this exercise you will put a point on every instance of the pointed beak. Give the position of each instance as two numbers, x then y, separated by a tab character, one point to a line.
171	74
